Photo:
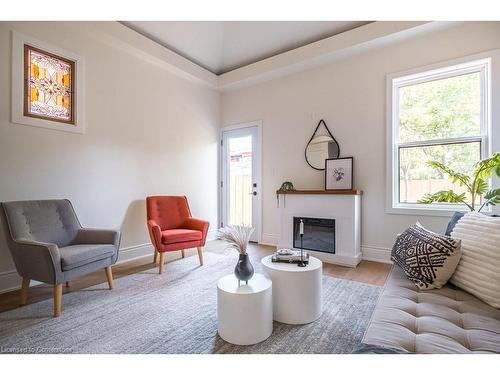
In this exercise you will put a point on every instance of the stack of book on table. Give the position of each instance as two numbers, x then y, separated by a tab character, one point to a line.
289	256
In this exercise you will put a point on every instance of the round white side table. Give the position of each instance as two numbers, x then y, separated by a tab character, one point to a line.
245	313
297	291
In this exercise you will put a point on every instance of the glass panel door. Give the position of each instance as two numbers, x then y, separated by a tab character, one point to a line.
239	183
240	180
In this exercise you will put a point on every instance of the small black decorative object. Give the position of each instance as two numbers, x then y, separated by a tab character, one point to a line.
302	262
321	147
244	269
237	237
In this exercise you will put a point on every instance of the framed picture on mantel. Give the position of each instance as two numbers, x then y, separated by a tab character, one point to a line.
339	173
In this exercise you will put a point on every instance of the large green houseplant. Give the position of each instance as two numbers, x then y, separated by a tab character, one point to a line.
476	185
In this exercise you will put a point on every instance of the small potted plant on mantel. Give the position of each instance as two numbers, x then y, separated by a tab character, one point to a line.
476	185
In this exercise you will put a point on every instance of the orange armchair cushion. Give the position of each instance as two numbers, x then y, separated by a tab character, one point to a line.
180	235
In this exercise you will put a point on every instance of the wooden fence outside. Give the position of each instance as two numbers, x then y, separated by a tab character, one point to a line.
240	200
413	190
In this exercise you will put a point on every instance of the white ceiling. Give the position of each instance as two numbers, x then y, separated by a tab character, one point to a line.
222	46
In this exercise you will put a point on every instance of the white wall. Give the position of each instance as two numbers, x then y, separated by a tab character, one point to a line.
150	132
350	96
147	132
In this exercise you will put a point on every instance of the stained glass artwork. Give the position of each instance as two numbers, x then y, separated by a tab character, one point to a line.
49	82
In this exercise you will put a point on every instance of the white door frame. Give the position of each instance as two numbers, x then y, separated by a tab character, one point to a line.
257	173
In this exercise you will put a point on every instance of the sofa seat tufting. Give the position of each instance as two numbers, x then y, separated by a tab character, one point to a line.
446	320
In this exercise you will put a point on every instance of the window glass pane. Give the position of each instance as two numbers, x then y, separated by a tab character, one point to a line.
240	181
440	109
416	178
50	87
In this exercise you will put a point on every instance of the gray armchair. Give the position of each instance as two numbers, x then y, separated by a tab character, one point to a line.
48	244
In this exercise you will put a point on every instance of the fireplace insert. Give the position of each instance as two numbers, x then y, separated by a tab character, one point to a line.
319	234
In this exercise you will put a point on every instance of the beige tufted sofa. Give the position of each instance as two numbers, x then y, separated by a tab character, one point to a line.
446	320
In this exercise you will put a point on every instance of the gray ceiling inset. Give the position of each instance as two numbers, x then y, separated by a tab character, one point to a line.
222	46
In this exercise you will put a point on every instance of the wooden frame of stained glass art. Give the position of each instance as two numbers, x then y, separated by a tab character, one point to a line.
49	82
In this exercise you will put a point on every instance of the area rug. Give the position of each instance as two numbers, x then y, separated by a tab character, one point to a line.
177	313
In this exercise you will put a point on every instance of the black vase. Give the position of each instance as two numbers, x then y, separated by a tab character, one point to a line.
244	269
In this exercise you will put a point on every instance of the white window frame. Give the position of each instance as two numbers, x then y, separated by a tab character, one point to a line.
395	81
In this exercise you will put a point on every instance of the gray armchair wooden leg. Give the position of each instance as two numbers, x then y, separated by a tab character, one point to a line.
25	286
109	276
57	299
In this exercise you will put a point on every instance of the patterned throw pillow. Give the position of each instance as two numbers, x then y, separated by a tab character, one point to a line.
479	269
428	259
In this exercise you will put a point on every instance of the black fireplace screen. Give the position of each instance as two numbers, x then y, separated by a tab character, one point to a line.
319	234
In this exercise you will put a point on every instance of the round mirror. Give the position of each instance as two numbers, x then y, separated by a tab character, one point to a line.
320	148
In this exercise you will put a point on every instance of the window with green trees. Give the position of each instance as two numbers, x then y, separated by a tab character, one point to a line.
438	115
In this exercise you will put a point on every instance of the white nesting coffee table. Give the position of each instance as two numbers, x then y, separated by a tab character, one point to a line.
297	291
245	313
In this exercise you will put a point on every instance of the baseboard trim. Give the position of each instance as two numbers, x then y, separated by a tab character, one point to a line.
10	280
376	254
342	260
371	253
129	253
269	239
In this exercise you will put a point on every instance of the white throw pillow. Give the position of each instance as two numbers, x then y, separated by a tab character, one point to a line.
478	271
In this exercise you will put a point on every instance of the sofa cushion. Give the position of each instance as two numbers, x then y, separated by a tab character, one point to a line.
455	219
446	320
479	269
75	256
428	259
180	235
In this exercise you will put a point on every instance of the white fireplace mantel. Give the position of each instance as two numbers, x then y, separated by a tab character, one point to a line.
342	205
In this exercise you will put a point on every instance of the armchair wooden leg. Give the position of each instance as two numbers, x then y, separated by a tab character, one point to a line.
155	258
67	284
109	276
200	255
25	286
162	259
57	299
183	255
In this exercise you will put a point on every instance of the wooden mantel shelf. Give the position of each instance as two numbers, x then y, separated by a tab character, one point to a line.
334	192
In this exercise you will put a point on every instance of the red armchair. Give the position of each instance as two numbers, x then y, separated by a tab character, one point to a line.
172	228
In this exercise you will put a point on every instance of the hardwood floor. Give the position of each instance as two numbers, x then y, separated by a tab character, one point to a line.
366	272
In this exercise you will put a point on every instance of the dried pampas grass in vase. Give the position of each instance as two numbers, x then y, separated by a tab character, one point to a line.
237	237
